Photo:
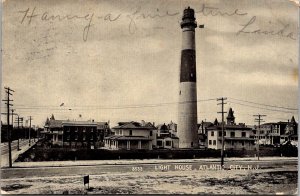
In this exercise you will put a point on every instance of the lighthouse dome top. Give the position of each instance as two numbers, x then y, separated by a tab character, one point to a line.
188	18
188	13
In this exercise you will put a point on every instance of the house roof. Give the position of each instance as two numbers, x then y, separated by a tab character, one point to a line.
122	137
79	123
162	127
55	123
134	125
230	127
61	123
230	114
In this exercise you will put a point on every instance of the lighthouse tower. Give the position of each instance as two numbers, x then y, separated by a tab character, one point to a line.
187	109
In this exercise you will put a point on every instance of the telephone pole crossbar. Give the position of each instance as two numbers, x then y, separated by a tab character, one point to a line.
222	99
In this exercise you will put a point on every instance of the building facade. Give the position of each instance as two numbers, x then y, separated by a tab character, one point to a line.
166	136
75	134
236	137
132	135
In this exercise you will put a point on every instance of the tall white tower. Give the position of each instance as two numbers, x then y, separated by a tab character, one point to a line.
187	109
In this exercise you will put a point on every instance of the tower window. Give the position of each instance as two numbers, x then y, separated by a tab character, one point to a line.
179	92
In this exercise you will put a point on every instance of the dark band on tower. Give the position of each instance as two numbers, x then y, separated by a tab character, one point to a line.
188	57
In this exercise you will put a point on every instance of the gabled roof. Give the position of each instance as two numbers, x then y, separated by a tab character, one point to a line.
134	125
162	127
55	123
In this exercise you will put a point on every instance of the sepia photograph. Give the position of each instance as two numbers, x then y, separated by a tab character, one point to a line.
149	97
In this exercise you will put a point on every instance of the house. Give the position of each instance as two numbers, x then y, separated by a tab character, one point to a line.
290	132
166	136
202	132
132	135
236	136
275	133
75	134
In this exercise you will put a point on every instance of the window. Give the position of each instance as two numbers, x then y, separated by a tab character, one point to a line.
261	132
212	133
83	130
150	133
232	134
168	143
83	138
130	132
214	142
159	143
92	137
220	133
76	137
242	143
243	134
209	142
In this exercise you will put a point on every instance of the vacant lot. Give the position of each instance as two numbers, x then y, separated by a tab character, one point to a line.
261	181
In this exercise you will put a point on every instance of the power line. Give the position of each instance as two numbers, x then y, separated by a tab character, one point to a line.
111	107
280	107
263	108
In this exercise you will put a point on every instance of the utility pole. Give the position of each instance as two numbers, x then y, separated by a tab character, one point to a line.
19	121
8	100
30	118
12	118
18	132
222	99
259	120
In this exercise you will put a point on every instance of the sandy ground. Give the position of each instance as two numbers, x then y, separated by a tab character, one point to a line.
262	181
158	161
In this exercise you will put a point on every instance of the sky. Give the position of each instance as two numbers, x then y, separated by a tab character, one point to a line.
119	60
